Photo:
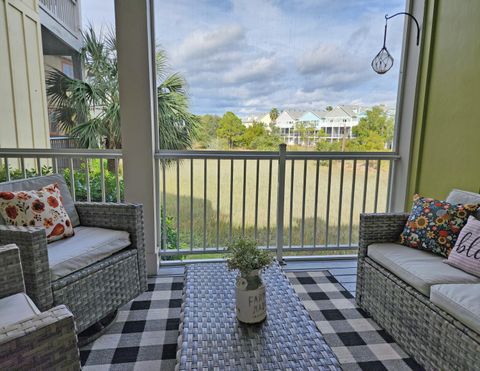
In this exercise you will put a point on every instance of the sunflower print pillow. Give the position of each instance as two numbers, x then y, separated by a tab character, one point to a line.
42	208
434	225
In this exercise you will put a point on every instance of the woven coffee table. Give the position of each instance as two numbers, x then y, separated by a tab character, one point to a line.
212	338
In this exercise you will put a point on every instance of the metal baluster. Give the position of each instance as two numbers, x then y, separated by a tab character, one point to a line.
231	200
204	204
178	204
281	200
158	207
102	180
164	206
39	167
244	195
87	180
377	182
340	201
292	178
72	180
55	165
269	200
256	199
365	184
117	179
329	188
302	227
218	204
388	206
352	202
191	204
24	169
7	168
315	207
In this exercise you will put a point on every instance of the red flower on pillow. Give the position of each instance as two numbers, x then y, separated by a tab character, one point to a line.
52	201
47	223
23	196
38	206
11	211
7	195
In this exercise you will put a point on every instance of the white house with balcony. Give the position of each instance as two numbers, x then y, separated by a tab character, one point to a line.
338	122
303	127
286	122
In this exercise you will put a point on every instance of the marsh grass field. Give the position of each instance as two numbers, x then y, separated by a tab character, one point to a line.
342	211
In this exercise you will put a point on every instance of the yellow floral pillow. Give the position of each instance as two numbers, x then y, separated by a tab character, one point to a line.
42	208
434	225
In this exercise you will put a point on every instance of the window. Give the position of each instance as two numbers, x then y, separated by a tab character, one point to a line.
67	68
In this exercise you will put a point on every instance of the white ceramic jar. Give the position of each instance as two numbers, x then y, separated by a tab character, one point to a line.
251	300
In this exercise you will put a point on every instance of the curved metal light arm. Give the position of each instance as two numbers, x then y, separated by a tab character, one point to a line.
402	13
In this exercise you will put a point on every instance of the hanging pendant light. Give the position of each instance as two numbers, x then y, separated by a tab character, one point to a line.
383	61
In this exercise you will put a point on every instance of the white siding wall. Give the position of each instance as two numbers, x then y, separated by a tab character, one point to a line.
23	107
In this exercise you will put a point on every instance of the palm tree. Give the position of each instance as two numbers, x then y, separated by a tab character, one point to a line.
274	114
89	110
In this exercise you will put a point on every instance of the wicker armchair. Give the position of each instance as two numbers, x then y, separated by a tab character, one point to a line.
433	337
44	341
97	290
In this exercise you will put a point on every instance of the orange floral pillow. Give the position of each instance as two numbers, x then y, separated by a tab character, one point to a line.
42	208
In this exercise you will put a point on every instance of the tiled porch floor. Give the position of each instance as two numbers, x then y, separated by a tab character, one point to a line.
344	270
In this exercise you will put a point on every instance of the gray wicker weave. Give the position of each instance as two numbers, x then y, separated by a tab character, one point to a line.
95	291
47	341
212	338
433	337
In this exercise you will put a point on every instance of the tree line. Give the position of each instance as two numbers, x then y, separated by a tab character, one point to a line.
374	132
228	131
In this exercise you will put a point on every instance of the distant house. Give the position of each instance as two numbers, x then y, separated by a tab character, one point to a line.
286	122
339	123
303	127
265	119
248	120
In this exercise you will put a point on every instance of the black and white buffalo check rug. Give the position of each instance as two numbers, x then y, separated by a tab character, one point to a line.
357	341
144	335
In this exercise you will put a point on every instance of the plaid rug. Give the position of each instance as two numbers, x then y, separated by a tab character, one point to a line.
357	341
144	335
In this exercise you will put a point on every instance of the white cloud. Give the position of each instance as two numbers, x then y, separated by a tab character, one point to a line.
201	44
327	58
253	70
248	56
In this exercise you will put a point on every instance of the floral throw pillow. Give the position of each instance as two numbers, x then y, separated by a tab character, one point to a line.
434	225
42	208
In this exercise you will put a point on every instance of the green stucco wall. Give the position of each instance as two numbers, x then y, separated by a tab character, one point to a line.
446	146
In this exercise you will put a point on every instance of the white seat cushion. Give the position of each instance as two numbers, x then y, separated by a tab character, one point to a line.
88	246
419	269
16	308
460	301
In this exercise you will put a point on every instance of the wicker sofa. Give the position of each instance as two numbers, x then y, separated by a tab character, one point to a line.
430	308
30	339
93	273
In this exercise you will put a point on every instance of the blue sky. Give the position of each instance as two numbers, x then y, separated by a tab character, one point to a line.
248	56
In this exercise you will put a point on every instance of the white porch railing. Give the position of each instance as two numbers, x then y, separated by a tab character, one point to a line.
92	175
288	201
